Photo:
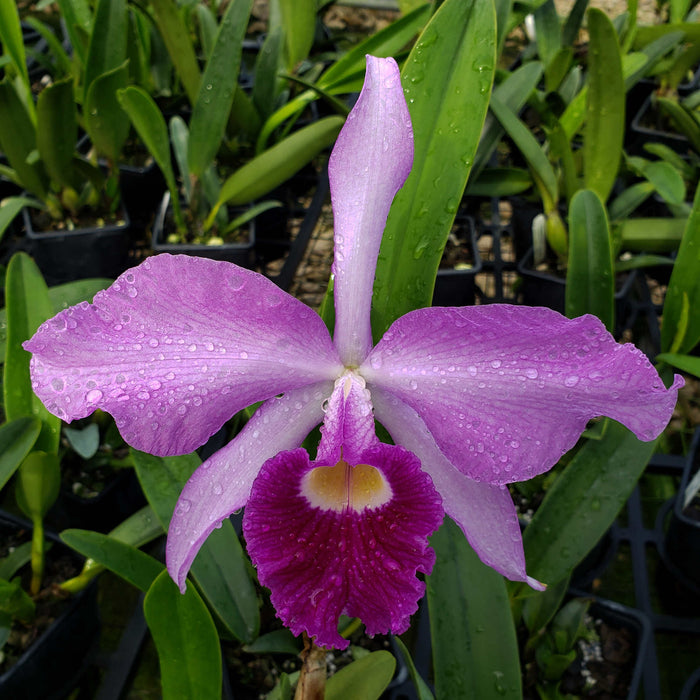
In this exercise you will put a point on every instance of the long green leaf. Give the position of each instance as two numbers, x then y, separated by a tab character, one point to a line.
605	106
107	45
299	20
28	306
272	167
16	439
220	569
9	208
217	88
475	650
583	502
78	20
176	38
686	363
57	131
590	282
662	235
37	485
11	38
18	140
186	639
125	560
684	281
447	80
419	684
104	117
364	679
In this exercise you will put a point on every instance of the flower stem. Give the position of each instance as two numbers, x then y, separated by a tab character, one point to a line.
312	678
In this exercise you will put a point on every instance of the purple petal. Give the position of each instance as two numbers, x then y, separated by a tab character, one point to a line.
320	563
175	347
506	390
222	484
370	162
484	512
348	426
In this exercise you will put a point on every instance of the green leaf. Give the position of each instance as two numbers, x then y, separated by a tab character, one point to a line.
605	106
684	281
662	235
150	125
20	556
85	441
272	167
499	182
104	117
419	684
28	306
686	363
107	45
217	88
57	131
276	642
15	602
583	502
11	206
16	440
267	69
176	37
187	642
299	21
133	565
682	119
447	80
475	650
78	19
548	32
11	38
37	485
540	608
220	569
628	200
18	140
364	679
590	282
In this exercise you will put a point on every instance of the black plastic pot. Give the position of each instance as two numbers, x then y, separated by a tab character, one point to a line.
64	256
545	289
681	545
643	130
457	286
238	253
53	665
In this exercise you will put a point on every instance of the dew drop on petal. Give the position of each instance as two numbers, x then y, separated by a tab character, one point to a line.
571	380
183	506
93	396
531	373
58	384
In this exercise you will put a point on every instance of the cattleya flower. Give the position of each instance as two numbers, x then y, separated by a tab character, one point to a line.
473	398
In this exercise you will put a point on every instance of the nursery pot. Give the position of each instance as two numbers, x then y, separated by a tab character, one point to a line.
456	286
682	538
645	128
64	256
52	666
238	253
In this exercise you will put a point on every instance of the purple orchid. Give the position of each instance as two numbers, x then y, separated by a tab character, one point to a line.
474	398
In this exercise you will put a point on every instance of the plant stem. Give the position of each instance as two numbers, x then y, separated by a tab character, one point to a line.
37	556
312	677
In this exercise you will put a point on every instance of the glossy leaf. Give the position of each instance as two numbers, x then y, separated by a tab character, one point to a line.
590	282
85	441
583	502
220	569
267	69
363	679
684	281
78	21
276	642
499	182
18	140
176	37
186	639
28	306
107	45
104	117
475	650
37	484
11	38
151	127
17	437
272	167
447	81
605	106
420	686
299	20
125	560
10	207
57	131
686	363
651	235
682	119
217	88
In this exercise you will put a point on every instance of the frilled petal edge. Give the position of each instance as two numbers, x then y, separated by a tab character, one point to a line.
506	390
222	484
175	347
321	562
485	512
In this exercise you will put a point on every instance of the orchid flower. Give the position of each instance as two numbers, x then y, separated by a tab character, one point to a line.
473	398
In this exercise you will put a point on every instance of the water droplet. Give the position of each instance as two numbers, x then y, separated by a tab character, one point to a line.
183	506
572	380
58	384
93	396
132	292
496	364
531	373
